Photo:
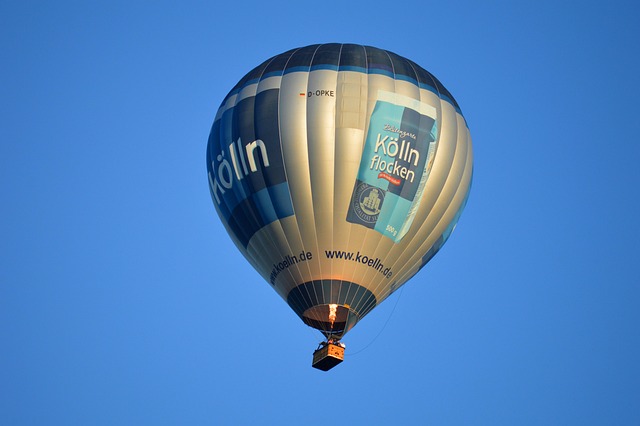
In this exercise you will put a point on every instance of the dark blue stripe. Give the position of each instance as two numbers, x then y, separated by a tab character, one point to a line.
346	57
296	69
362	70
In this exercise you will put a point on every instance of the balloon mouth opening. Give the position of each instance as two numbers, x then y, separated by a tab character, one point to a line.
332	320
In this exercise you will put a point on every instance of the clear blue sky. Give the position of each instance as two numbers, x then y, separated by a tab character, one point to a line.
123	302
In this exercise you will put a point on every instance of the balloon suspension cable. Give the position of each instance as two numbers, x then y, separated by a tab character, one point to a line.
384	326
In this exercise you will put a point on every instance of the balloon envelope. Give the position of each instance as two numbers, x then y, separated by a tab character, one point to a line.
338	170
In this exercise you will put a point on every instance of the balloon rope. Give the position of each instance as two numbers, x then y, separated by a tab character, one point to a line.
383	327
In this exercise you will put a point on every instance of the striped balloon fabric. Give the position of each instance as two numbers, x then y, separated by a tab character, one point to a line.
338	170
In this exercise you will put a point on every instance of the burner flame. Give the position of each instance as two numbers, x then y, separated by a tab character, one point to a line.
333	310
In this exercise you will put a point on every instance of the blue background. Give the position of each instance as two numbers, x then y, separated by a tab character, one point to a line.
122	300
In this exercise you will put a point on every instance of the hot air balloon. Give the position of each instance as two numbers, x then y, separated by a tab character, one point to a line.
338	170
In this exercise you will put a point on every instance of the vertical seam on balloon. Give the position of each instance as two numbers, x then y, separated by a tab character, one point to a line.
366	56
342	274
308	267
327	185
294	216
302	240
349	238
335	164
346	285
333	183
311	176
378	237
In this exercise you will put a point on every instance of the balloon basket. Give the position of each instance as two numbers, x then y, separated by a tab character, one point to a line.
327	356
